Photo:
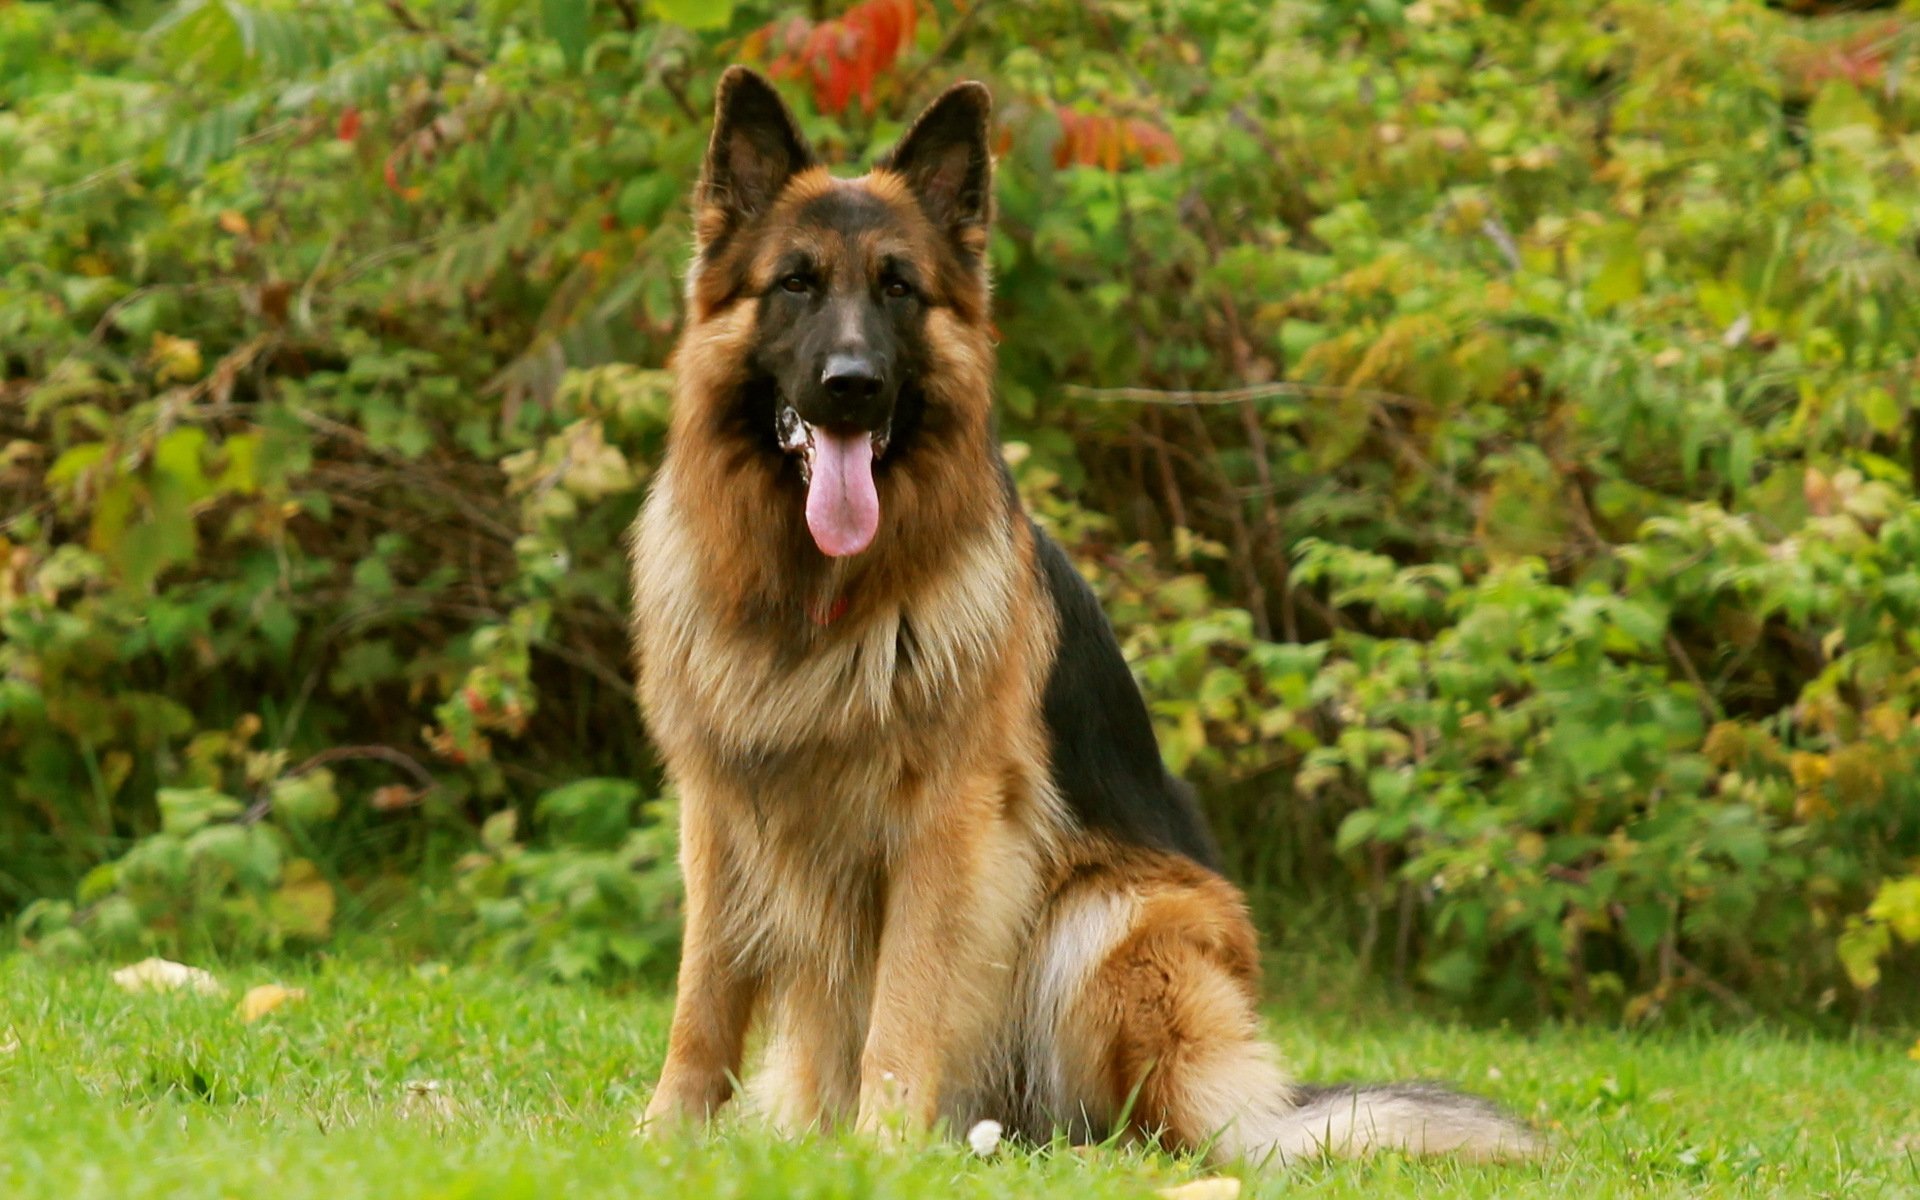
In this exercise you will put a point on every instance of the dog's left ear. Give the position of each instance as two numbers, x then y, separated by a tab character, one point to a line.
944	158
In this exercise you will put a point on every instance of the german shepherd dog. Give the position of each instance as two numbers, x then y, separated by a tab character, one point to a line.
926	832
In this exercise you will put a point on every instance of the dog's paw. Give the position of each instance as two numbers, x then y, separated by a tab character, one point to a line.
669	1114
887	1117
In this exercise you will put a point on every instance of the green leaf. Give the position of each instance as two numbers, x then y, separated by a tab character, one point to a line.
592	812
1356	828
1454	972
1881	410
568	22
1390	786
178	456
1860	948
241	474
1622	277
183	810
69	466
646	198
303	905
1645	925
694	14
306	799
496	833
1644	623
234	846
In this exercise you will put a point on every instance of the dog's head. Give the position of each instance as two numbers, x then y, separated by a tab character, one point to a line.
851	305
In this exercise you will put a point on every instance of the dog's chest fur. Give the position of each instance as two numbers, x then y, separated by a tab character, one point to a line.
762	701
829	757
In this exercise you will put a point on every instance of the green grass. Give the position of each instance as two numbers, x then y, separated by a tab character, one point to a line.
104	1094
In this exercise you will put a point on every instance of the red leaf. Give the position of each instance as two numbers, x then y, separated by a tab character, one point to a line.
349	127
883	32
1110	143
842	57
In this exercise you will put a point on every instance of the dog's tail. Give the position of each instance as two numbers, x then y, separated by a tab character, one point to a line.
1347	1120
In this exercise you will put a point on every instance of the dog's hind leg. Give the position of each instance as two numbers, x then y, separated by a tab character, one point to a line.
1163	1031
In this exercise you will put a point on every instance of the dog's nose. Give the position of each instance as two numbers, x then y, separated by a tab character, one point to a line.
850	377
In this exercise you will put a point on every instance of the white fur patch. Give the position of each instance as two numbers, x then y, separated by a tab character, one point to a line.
1076	942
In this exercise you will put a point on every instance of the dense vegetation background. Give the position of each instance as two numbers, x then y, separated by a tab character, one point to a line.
1490	424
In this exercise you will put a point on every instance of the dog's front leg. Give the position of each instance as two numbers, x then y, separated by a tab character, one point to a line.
957	899
714	999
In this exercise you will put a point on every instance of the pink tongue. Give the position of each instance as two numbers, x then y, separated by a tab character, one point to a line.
843	510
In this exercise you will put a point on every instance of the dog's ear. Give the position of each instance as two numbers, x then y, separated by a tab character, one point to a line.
757	146
945	159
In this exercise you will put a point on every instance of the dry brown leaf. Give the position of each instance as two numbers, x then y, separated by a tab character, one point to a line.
1219	1187
426	1098
259	1001
395	796
161	975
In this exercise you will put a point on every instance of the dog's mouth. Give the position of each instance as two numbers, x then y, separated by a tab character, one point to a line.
843	506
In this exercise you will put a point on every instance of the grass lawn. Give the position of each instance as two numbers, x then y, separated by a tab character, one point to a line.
534	1088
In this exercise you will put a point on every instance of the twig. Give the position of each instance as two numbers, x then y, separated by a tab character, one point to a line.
413	24
947	42
79	185
675	81
399	758
1270	531
127	166
1175	398
587	663
1714	987
388	754
1168	484
1709	707
1496	232
348	433
1242	536
1118	49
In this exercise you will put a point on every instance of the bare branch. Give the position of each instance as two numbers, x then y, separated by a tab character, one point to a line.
413	24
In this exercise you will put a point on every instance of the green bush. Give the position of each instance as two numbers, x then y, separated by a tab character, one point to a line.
1488	423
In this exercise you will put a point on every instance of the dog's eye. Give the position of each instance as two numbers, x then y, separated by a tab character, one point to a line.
796	283
897	289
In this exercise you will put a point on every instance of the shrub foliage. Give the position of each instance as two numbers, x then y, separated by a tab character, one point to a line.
1489	423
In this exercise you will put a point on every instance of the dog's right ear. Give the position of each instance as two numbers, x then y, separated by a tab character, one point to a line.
757	146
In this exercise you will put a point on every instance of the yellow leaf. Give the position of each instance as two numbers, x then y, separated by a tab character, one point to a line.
1898	907
1809	770
175	359
259	1001
234	223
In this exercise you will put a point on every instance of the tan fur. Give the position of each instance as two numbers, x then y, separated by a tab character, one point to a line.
876	861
